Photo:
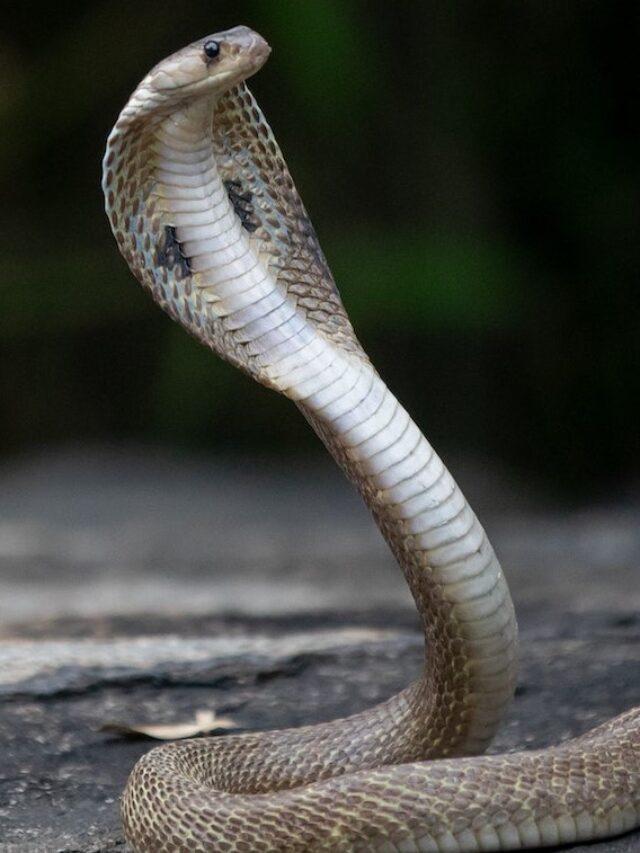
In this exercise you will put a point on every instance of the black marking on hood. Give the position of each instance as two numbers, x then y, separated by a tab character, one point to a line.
171	254
242	205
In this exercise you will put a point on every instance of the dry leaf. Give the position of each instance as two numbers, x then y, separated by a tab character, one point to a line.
205	722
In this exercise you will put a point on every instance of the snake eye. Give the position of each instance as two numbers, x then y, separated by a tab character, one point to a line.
211	49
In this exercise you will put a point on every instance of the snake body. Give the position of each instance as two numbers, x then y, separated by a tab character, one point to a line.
205	212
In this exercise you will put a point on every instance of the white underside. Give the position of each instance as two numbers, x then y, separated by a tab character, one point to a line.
232	275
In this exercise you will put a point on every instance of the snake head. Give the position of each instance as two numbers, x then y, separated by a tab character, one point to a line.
209	66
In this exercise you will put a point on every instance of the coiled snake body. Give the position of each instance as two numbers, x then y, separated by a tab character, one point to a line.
206	214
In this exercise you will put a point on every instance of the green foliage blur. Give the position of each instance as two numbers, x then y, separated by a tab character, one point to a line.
472	173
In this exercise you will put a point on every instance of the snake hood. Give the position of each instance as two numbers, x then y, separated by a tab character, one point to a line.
193	167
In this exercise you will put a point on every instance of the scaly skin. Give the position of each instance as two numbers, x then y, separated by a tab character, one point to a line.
205	212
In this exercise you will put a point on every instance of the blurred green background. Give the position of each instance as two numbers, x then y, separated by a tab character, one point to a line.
471	170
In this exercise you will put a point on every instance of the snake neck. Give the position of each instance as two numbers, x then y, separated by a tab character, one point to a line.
201	229
448	563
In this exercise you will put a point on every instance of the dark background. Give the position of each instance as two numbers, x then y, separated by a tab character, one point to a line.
471	171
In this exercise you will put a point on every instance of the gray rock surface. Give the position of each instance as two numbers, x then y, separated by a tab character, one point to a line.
138	587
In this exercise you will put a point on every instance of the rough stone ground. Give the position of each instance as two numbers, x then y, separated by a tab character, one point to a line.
138	587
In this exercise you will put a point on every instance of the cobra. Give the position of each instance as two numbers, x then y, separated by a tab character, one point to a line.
206	214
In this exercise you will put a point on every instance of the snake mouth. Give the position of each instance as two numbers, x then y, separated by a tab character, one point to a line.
259	50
